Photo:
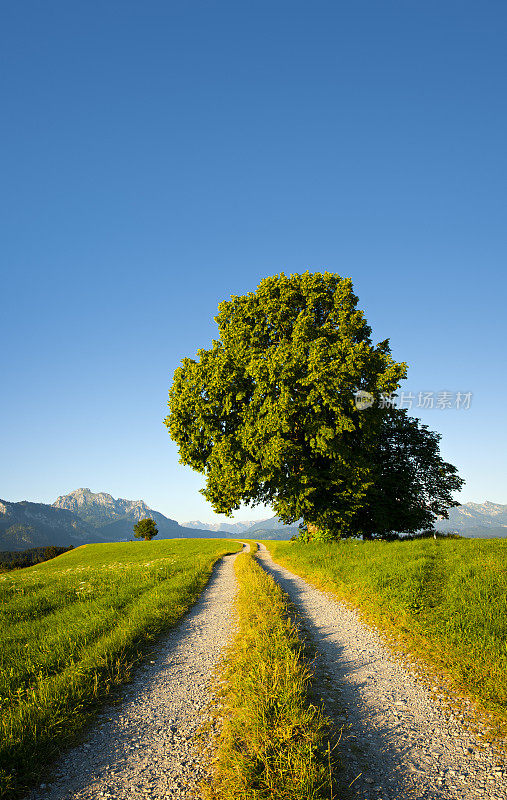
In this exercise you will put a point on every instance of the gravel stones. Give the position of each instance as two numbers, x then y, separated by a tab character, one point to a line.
144	746
399	741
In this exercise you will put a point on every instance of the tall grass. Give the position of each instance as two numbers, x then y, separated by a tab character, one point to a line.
448	598
73	627
273	741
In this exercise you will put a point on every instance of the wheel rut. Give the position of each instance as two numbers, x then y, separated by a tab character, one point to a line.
397	742
145	746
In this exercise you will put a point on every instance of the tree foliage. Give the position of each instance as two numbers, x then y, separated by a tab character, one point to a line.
145	529
268	413
411	484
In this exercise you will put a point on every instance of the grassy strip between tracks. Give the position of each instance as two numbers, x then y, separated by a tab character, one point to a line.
74	627
445	600
274	741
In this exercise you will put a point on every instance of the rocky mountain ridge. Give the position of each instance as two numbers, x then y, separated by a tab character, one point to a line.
97	507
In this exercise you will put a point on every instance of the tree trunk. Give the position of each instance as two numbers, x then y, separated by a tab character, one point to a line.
313	531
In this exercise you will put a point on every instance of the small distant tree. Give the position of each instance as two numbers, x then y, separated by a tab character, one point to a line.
145	529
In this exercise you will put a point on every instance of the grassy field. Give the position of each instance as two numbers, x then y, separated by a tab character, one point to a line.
73	627
274	742
446	598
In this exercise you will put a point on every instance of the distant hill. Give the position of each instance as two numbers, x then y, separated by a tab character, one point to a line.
272	528
473	520
26	524
284	533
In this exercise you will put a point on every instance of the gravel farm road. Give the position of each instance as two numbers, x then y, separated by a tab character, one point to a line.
144	746
399	742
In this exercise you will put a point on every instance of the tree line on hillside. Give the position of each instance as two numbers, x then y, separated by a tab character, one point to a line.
27	558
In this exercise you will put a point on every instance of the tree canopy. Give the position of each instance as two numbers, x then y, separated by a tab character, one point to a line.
145	529
268	413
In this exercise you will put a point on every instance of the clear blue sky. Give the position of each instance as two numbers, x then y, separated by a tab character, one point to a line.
159	156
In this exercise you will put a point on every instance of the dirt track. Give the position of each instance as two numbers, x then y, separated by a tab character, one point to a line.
397	740
143	746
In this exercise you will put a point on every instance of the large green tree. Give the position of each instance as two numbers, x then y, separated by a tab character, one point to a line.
268	413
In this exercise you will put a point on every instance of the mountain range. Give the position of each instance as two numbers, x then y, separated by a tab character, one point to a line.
25	524
476	520
272	528
83	517
273	524
226	527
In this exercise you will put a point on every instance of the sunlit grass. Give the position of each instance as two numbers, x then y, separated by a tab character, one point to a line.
448	598
73	627
274	742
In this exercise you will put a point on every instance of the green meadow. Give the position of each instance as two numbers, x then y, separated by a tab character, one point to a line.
73	627
447	598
